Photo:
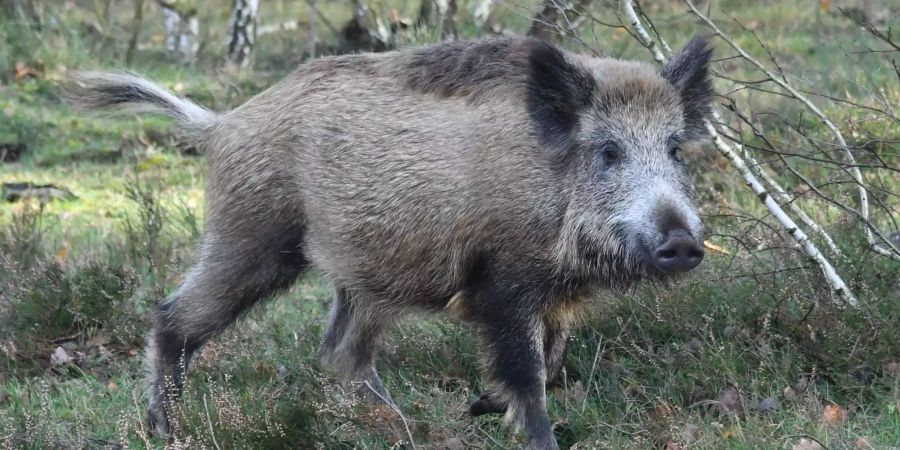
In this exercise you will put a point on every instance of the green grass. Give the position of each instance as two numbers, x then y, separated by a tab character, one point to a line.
645	369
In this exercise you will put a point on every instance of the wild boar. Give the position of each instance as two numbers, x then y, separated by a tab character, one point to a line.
505	179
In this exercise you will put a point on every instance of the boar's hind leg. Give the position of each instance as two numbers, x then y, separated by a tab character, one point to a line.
351	344
229	278
337	326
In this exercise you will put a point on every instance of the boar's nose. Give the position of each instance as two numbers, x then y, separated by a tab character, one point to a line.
678	253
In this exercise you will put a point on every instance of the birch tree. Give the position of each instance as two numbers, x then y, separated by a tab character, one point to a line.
439	13
482	13
242	32
558	18
182	28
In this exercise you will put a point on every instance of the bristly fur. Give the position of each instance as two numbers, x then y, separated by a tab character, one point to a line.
471	69
431	178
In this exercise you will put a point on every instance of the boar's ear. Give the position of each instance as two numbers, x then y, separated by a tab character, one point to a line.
688	71
557	90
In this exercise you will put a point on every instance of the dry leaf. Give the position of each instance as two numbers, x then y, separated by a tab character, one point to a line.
9	349
61	254
690	434
862	444
802	384
892	368
834	415
730	401
60	357
22	71
729	432
663	411
715	248
694	346
807	444
453	443
768	405
96	340
789	394
577	392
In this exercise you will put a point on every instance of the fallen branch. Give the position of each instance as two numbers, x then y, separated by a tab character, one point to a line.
834	279
13	192
782	195
891	251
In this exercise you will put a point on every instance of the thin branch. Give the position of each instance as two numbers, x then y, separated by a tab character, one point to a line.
859	18
212	434
412	443
779	191
587	389
835	281
891	251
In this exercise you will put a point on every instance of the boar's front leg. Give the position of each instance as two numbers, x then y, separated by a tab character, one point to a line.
517	368
556	330
556	335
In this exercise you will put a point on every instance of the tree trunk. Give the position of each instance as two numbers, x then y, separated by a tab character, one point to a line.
482	14
135	31
31	11
548	24
361	33
448	24
313	27
544	25
242	32
182	28
425	13
439	13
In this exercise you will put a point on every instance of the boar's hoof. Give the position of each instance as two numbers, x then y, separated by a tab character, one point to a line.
487	404
547	444
157	423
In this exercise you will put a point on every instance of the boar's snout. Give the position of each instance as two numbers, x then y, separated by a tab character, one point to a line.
679	252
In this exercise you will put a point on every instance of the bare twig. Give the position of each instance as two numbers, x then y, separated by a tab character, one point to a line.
212	434
891	250
834	279
859	18
779	191
390	404
587	389
806	436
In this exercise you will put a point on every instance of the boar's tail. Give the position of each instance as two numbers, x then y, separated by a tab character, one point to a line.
123	92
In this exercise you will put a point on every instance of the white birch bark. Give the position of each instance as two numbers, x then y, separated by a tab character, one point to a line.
242	32
482	12
182	29
806	245
852	167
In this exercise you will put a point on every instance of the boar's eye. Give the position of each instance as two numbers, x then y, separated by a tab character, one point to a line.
674	148
610	153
